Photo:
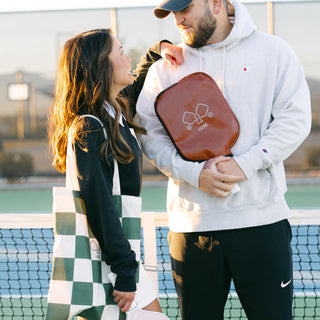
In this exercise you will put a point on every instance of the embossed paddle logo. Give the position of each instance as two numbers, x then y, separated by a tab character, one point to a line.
189	118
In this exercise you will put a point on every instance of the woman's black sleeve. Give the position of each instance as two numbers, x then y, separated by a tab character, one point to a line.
95	178
132	91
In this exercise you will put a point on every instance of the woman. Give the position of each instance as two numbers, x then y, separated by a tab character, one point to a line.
93	70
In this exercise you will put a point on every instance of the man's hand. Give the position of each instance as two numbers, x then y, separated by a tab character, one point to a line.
217	183
171	54
123	299
230	167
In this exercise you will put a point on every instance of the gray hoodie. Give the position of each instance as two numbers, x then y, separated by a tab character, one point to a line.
264	84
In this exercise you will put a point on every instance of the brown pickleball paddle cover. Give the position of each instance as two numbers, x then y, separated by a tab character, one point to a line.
197	118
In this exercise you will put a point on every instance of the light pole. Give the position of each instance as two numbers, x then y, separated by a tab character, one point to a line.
270	17
114	23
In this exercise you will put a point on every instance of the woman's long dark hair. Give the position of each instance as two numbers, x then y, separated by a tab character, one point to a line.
84	83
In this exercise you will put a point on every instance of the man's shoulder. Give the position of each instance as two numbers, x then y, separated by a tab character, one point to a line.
161	73
269	39
160	65
269	43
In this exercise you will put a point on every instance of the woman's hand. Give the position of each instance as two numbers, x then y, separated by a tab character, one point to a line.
171	53
123	299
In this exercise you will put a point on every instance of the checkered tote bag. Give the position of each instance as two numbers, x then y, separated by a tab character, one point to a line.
79	283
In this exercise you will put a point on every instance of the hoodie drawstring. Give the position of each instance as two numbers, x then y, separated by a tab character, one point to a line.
223	68
200	60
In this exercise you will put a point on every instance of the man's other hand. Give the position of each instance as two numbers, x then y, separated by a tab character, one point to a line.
217	183
231	167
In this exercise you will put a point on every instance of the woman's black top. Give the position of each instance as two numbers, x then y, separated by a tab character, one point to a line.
95	176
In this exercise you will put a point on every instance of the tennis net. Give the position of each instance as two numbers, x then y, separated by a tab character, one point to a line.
26	242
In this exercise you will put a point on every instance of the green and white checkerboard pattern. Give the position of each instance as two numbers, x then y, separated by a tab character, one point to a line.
79	283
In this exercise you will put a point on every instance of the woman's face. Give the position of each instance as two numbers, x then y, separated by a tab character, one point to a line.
122	75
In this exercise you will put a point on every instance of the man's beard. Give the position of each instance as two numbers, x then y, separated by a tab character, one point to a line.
202	33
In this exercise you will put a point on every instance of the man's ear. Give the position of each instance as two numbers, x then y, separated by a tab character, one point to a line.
217	5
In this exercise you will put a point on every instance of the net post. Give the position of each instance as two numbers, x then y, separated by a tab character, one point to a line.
148	222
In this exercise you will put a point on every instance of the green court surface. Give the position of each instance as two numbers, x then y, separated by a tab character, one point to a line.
40	201
303	196
153	199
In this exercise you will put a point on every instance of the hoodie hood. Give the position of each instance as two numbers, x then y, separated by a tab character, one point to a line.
242	28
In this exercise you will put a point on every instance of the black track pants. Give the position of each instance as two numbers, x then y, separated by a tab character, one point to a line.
258	259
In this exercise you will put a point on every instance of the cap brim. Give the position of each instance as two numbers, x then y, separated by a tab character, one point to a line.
160	13
168	6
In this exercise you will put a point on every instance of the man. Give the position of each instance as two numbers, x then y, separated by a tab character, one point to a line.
217	235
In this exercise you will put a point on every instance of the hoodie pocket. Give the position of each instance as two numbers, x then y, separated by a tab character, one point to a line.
257	190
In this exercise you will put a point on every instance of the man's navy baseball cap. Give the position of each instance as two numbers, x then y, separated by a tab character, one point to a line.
167	6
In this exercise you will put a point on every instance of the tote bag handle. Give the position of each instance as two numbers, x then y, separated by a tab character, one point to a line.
116	189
